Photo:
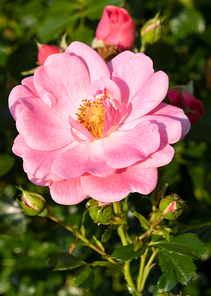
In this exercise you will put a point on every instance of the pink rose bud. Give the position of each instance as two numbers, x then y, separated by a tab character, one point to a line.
32	203
45	50
171	206
152	30
116	27
194	108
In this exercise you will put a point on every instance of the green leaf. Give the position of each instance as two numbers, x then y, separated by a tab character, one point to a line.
64	261
61	15
83	34
144	223
183	266
6	163
166	283
84	277
187	244
106	235
127	253
12	219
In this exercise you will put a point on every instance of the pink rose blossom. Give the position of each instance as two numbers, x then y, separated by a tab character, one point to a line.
116	27
45	50
194	109
91	128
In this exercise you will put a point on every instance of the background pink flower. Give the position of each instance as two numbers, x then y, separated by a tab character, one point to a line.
91	128
194	108
116	27
45	50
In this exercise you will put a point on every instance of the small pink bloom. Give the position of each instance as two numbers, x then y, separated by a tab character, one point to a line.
194	108
116	27
91	128
45	50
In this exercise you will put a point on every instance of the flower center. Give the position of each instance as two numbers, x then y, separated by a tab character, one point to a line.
92	115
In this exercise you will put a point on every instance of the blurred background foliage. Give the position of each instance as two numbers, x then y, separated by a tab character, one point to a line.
184	54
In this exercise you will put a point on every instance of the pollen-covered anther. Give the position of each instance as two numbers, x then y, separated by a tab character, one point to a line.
92	115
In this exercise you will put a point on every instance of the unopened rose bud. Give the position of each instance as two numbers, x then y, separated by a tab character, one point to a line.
171	206
32	203
152	30
116	28
45	50
100	212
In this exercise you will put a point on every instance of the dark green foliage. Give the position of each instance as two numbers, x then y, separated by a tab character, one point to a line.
27	243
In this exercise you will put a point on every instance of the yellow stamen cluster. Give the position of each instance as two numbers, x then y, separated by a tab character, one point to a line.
92	115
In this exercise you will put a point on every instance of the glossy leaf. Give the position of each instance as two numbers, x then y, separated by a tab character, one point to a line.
127	253
183	266
187	244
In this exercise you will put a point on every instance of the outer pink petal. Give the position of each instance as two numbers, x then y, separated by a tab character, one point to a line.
38	163
117	186
41	128
68	192
152	92
119	59
173	112
125	148
95	64
26	90
161	157
65	81
36	181
86	157
142	68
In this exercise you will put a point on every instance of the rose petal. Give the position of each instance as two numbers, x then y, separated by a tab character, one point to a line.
65	81
117	186
68	192
124	148
95	64
26	90
41	128
85	157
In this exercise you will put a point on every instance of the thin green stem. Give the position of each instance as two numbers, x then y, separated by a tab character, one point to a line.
148	267
84	239
141	270
144	272
122	235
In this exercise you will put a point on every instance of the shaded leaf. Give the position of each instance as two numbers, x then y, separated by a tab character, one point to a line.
84	277
185	244
127	253
183	266
64	261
